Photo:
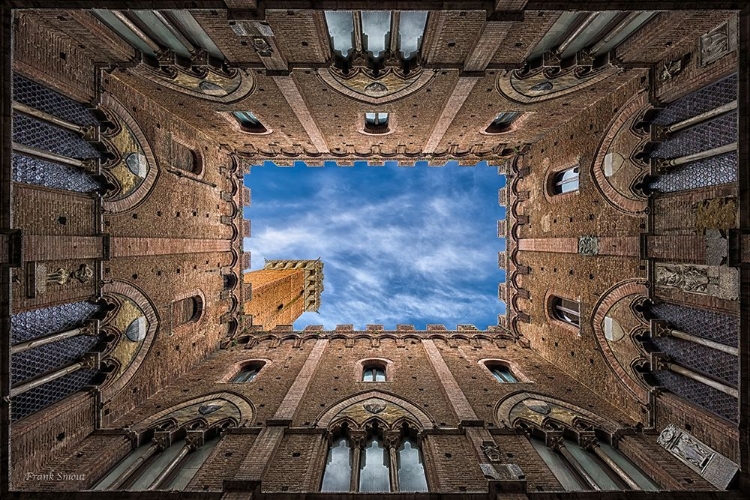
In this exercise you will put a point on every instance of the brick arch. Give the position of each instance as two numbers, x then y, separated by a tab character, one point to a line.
421	418
504	407
145	188
149	311
635	207
245	407
416	84
512	86
243	82
608	299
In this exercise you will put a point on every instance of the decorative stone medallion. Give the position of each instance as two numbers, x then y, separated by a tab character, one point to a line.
537	405
375	406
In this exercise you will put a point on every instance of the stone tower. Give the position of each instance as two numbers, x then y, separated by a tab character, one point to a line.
283	290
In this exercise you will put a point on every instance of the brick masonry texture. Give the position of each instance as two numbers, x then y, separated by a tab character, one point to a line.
186	235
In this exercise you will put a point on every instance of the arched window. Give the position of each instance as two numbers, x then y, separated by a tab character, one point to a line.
338	471
503	122
171	468
187	159
564	181
598	466
248	372
373	373
187	310
376	464
249	122
502	373
376	123
566	310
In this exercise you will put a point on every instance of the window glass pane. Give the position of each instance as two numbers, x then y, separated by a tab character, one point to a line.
639	21
114	473
376	27
341	30
591	465
411	25
504	118
382	117
370	117
155	466
411	475
591	33
246	375
369	375
118	27
374	472
191	464
567	181
645	482
338	467
195	32
556	464
379	375
161	32
503	374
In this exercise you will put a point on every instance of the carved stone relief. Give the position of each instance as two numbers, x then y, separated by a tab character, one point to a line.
588	245
713	466
491	450
717	281
718	42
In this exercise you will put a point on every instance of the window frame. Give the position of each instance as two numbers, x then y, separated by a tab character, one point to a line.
236	369
550	182
386	365
550	311
237	122
507	121
374	126
489	363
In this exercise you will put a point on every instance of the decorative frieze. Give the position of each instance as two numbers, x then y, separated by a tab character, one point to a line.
588	245
718	42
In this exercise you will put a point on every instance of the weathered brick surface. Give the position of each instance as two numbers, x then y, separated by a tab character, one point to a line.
272	288
222	463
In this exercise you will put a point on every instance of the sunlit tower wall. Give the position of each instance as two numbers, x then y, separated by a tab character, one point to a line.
282	291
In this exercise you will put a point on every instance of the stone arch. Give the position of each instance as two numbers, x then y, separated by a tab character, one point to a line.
128	133
539	407
622	141
606	301
239	409
419	417
358	84
113	386
520	87
203	82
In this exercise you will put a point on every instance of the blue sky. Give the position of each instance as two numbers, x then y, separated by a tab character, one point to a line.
414	245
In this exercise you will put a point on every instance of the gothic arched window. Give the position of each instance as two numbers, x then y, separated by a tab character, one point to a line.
564	181
565	310
597	466
169	468
375	461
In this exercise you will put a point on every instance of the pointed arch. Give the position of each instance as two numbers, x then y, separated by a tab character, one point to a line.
422	420
239	409
506	416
